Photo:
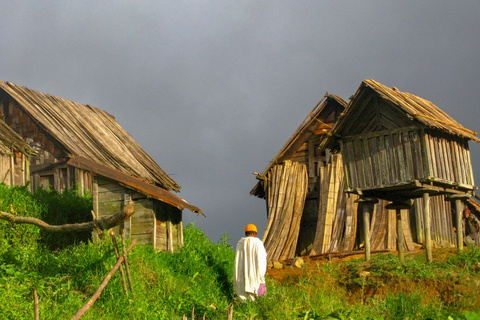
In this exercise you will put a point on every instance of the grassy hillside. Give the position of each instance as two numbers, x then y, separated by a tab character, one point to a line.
167	286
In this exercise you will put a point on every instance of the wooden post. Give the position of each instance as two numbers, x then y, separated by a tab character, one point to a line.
117	253
458	217
366	230
169	234
401	253
126	263
458	211
398	206
180	234
426	226
366	205
36	311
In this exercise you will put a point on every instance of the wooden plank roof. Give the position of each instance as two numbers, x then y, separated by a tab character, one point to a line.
90	133
303	132
418	109
133	183
11	142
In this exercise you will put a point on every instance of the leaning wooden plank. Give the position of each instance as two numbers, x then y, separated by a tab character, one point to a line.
320	229
339	227
350	224
330	207
117	254
337	198
273	185
289	211
301	185
126	263
299	174
102	286
282	208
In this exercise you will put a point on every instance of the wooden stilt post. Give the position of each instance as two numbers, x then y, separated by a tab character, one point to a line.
401	253
398	206
426	220
458	211
458	198
367	207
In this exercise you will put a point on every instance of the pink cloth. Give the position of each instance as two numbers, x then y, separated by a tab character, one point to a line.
262	290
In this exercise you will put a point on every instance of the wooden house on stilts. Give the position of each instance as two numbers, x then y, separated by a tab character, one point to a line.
383	151
399	147
80	146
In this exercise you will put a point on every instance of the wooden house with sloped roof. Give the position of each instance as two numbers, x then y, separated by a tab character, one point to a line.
398	147
315	185
82	146
291	183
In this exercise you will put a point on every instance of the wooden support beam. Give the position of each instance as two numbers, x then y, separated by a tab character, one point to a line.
426	219
458	198
367	208
401	253
398	206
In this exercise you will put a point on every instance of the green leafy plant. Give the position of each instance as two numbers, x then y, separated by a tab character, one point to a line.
199	276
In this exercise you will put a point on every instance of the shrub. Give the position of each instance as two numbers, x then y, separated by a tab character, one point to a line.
19	202
64	208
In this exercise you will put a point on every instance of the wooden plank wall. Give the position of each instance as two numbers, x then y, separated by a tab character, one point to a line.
5	169
308	226
110	199
154	222
169	227
383	230
449	159
381	159
442	222
336	212
13	169
142	222
19	168
387	158
339	227
287	190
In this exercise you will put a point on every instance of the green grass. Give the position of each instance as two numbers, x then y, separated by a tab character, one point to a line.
199	276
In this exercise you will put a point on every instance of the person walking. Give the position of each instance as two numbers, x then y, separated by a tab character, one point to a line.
250	266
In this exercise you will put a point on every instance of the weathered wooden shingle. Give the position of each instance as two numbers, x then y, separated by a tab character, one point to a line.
91	133
418	109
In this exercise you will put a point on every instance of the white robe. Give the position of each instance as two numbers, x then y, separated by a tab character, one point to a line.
250	267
